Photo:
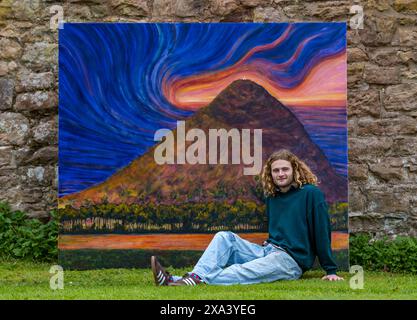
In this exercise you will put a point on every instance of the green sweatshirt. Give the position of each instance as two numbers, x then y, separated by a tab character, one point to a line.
300	224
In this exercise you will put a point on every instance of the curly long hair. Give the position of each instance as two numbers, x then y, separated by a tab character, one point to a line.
302	173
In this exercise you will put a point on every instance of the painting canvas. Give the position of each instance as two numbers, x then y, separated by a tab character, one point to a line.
127	91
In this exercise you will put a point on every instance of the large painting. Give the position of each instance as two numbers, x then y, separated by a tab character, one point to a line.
164	128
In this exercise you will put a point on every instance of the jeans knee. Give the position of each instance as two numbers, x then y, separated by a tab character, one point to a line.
228	235
221	234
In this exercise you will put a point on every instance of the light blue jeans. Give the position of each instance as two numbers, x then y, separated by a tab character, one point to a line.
230	259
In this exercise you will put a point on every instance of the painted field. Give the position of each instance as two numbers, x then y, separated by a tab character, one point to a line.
340	240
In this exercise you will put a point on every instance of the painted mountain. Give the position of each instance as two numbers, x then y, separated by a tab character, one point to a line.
242	105
121	83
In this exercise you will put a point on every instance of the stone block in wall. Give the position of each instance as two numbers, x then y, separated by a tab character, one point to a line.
409	74
363	103
387	127
11	41
292	11
223	7
4	69
396	216
356	55
190	8
405	5
99	11
44	155
401	97
177	8
37	101
55	181
385	56
133	8
11	193
11	31
366	223
378	29
12	157
396	224
413	200
369	148
10	49
7	67
381	75
5	156
395	162
33	176
50	199
404	146
77	12
36	201
20	155
39	33
357	200
37	211
355	72
406	19
269	14
9	180
406	36
351	125
387	202
358	172
6	93
353	37
32	195
41	56
242	14
46	132
327	10
123	19
254	3
5	12
14	129
31	81
386	172
380	5
37	176
27	10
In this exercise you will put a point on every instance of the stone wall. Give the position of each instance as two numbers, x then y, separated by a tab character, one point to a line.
382	94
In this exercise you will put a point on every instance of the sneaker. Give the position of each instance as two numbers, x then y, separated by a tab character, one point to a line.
187	280
161	276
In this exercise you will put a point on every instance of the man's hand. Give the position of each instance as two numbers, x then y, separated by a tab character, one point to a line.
332	277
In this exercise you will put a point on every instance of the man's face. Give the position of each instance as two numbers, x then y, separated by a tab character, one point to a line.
282	173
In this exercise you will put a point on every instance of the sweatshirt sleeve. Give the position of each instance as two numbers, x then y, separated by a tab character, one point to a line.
322	237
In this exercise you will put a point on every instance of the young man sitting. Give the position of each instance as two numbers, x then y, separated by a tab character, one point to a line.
299	230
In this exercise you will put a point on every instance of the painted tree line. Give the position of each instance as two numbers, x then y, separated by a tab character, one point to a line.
239	216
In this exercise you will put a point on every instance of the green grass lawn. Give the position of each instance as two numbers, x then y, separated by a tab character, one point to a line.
28	280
